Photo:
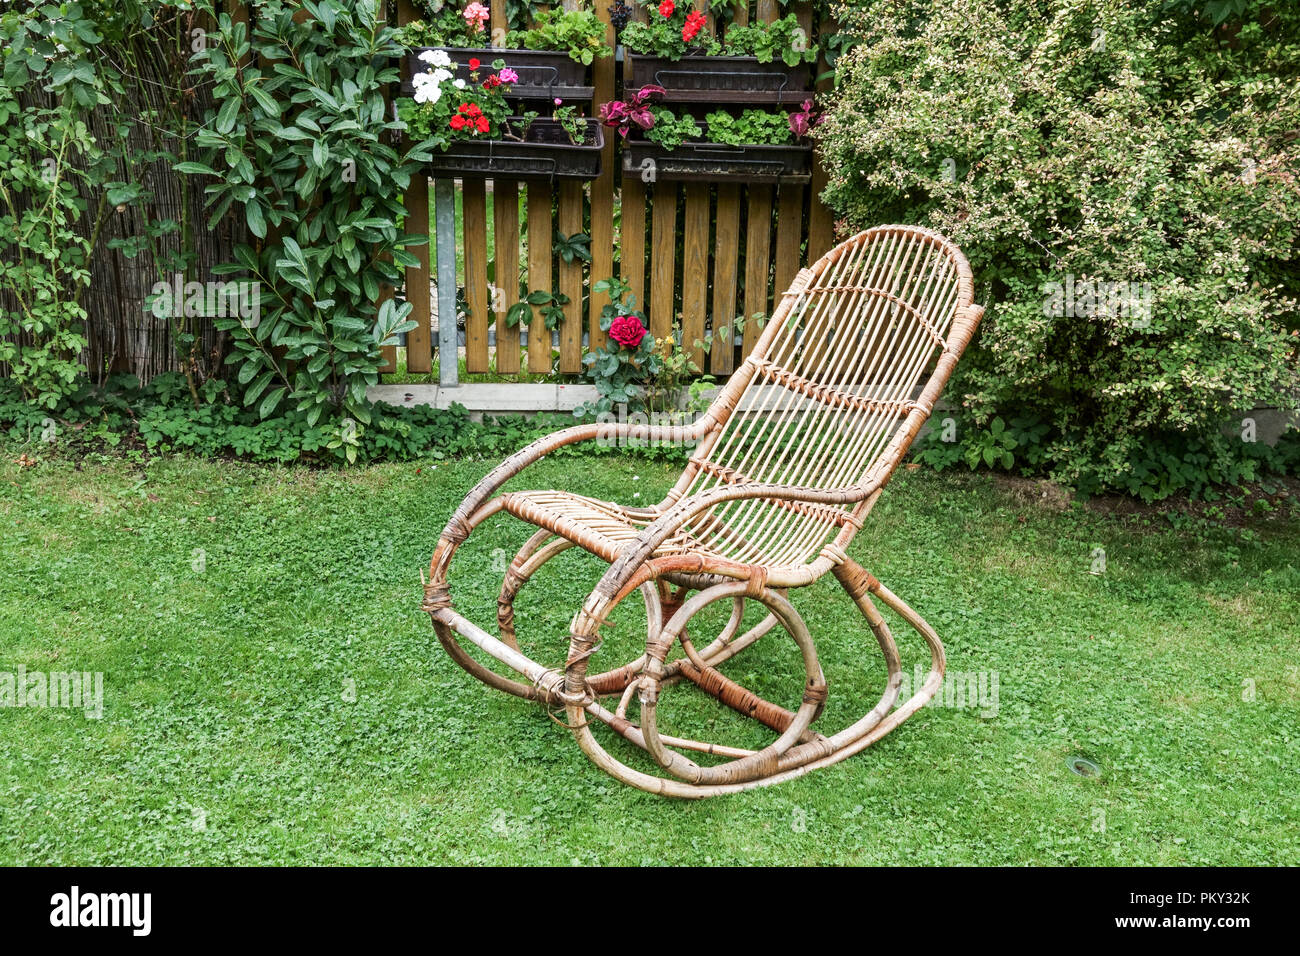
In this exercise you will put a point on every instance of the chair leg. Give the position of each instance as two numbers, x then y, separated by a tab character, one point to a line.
797	749
796	760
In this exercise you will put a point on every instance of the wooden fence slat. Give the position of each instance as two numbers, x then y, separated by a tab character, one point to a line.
474	206
419	345
663	256
710	22
498	23
726	262
789	229
804	13
602	193
539	274
695	269
758	259
821	224
505	242
631	268
571	280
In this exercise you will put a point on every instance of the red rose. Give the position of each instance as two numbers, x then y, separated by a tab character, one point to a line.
627	330
666	8
473	63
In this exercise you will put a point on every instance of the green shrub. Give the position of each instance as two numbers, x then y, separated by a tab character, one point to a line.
160	418
300	143
45	152
1093	142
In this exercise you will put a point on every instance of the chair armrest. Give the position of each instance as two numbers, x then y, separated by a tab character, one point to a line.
530	453
662	527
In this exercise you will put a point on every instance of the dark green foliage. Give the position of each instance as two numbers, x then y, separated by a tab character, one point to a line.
1066	145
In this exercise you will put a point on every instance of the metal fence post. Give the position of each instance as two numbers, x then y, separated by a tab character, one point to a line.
444	210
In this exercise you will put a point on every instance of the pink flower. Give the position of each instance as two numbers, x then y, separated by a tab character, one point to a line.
508	75
804	120
476	15
559	102
627	331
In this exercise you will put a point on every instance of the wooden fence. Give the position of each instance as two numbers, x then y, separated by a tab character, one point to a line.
699	253
696	252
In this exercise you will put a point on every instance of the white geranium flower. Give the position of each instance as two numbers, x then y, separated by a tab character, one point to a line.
423	79
428	93
436	57
459	84
441	76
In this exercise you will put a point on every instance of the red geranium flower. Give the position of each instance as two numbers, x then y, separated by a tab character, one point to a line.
457	122
627	330
694	24
482	124
473	63
667	7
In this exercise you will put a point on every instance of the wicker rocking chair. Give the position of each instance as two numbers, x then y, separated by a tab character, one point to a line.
790	458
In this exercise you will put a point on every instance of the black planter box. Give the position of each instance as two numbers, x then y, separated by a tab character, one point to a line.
713	162
717	79
543	74
545	153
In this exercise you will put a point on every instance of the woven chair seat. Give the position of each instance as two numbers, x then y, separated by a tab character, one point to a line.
604	528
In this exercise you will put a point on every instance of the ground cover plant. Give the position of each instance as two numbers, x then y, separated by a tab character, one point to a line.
273	694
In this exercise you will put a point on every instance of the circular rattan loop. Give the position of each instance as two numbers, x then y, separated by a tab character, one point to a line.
763	761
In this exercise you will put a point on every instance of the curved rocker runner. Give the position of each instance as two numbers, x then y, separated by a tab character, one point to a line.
790	459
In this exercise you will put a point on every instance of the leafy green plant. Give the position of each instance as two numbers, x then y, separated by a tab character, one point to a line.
448	24
572	248
992	446
580	33
45	152
672	29
784	39
298	141
751	127
671	131
551	305
572	122
676	369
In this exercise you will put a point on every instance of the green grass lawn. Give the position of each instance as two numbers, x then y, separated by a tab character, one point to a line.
284	700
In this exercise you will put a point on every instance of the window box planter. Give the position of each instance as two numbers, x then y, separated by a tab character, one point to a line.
717	79
712	162
543	74
545	153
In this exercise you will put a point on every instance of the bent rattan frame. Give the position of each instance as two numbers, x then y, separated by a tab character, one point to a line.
790	459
